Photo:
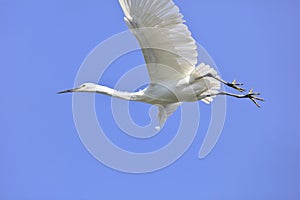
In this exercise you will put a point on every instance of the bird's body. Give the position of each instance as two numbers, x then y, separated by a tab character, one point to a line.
171	54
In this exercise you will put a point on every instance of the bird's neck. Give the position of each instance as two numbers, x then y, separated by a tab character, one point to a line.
118	94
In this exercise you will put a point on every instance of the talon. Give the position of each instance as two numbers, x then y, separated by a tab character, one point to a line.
253	96
260	99
241	89
235	85
255	102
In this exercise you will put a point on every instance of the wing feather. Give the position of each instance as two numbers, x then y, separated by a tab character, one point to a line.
165	111
169	50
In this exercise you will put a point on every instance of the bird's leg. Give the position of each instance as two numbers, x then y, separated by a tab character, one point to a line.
233	84
251	95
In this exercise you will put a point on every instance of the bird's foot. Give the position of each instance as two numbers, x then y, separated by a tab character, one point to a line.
236	85
253	96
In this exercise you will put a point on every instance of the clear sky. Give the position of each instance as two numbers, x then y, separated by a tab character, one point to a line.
43	44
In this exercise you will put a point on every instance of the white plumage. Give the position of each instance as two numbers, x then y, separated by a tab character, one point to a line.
171	54
164	39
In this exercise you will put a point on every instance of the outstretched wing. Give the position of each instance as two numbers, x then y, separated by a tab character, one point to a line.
168	47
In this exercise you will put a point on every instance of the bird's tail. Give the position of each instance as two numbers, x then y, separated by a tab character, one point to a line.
212	85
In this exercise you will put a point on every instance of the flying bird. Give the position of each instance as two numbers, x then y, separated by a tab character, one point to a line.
170	53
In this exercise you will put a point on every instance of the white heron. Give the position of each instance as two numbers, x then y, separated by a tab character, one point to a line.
171	55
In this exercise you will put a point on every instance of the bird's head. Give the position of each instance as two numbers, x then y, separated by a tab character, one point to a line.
86	87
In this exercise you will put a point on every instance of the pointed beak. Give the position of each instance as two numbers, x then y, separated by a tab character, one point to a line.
67	91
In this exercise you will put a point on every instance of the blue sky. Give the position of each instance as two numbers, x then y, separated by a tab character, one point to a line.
43	44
